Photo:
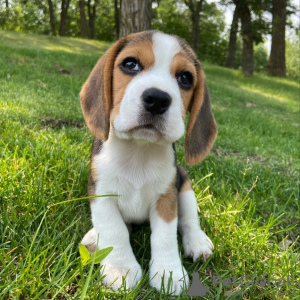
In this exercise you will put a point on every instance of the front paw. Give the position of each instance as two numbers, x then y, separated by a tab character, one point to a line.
197	245
114	273
173	280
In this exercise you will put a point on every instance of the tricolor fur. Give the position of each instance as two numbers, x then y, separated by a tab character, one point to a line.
135	102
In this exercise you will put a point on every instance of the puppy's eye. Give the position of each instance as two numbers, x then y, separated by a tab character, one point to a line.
185	80
131	66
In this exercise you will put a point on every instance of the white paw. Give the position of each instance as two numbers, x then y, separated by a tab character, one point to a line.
114	274
89	240
160	276
197	245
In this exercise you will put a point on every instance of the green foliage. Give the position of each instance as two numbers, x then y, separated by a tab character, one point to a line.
33	17
292	56
105	21
248	205
260	57
239	53
260	28
26	16
172	17
213	40
95	258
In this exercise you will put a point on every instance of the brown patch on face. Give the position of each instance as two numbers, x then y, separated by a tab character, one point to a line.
167	203
180	63
142	52
186	184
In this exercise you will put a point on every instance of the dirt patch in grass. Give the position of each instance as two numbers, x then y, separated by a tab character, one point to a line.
63	71
60	123
233	153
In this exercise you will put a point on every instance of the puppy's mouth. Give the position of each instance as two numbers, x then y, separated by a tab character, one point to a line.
148	122
145	126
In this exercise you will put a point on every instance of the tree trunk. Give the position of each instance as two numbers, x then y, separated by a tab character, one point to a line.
247	35
63	17
92	17
4	20
52	18
6	8
83	22
232	40
276	65
117	17
136	16
195	9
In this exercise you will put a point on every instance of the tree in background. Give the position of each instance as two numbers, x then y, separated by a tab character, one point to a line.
7	8
253	29
102	20
92	17
117	17
292	59
135	16
195	7
52	17
83	22
24	15
63	16
34	16
212	34
174	17
276	65
244	14
171	18
4	13
230	57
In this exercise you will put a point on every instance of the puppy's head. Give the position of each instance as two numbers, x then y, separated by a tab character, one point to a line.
142	89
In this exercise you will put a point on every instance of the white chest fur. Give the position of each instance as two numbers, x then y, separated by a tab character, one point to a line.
138	172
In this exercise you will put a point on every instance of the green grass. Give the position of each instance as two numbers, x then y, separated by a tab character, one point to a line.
248	204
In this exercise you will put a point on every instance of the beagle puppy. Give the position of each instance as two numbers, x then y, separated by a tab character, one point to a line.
135	102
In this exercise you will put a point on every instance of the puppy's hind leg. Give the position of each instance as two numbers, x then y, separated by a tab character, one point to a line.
195	242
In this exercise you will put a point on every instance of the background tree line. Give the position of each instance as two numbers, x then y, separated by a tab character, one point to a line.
200	22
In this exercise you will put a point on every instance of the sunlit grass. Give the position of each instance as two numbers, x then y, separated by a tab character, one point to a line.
51	43
248	204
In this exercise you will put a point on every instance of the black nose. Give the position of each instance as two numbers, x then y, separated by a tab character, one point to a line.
156	101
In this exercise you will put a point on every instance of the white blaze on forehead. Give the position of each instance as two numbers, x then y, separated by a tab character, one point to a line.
165	47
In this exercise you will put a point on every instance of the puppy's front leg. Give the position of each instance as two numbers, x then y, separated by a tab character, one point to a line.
113	232
195	242
165	261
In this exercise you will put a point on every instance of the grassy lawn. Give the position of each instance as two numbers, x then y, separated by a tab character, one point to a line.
247	188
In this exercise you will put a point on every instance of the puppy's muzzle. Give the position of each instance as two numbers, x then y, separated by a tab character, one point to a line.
156	101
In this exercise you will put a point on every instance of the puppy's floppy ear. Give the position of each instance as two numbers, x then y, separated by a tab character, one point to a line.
202	128
96	93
